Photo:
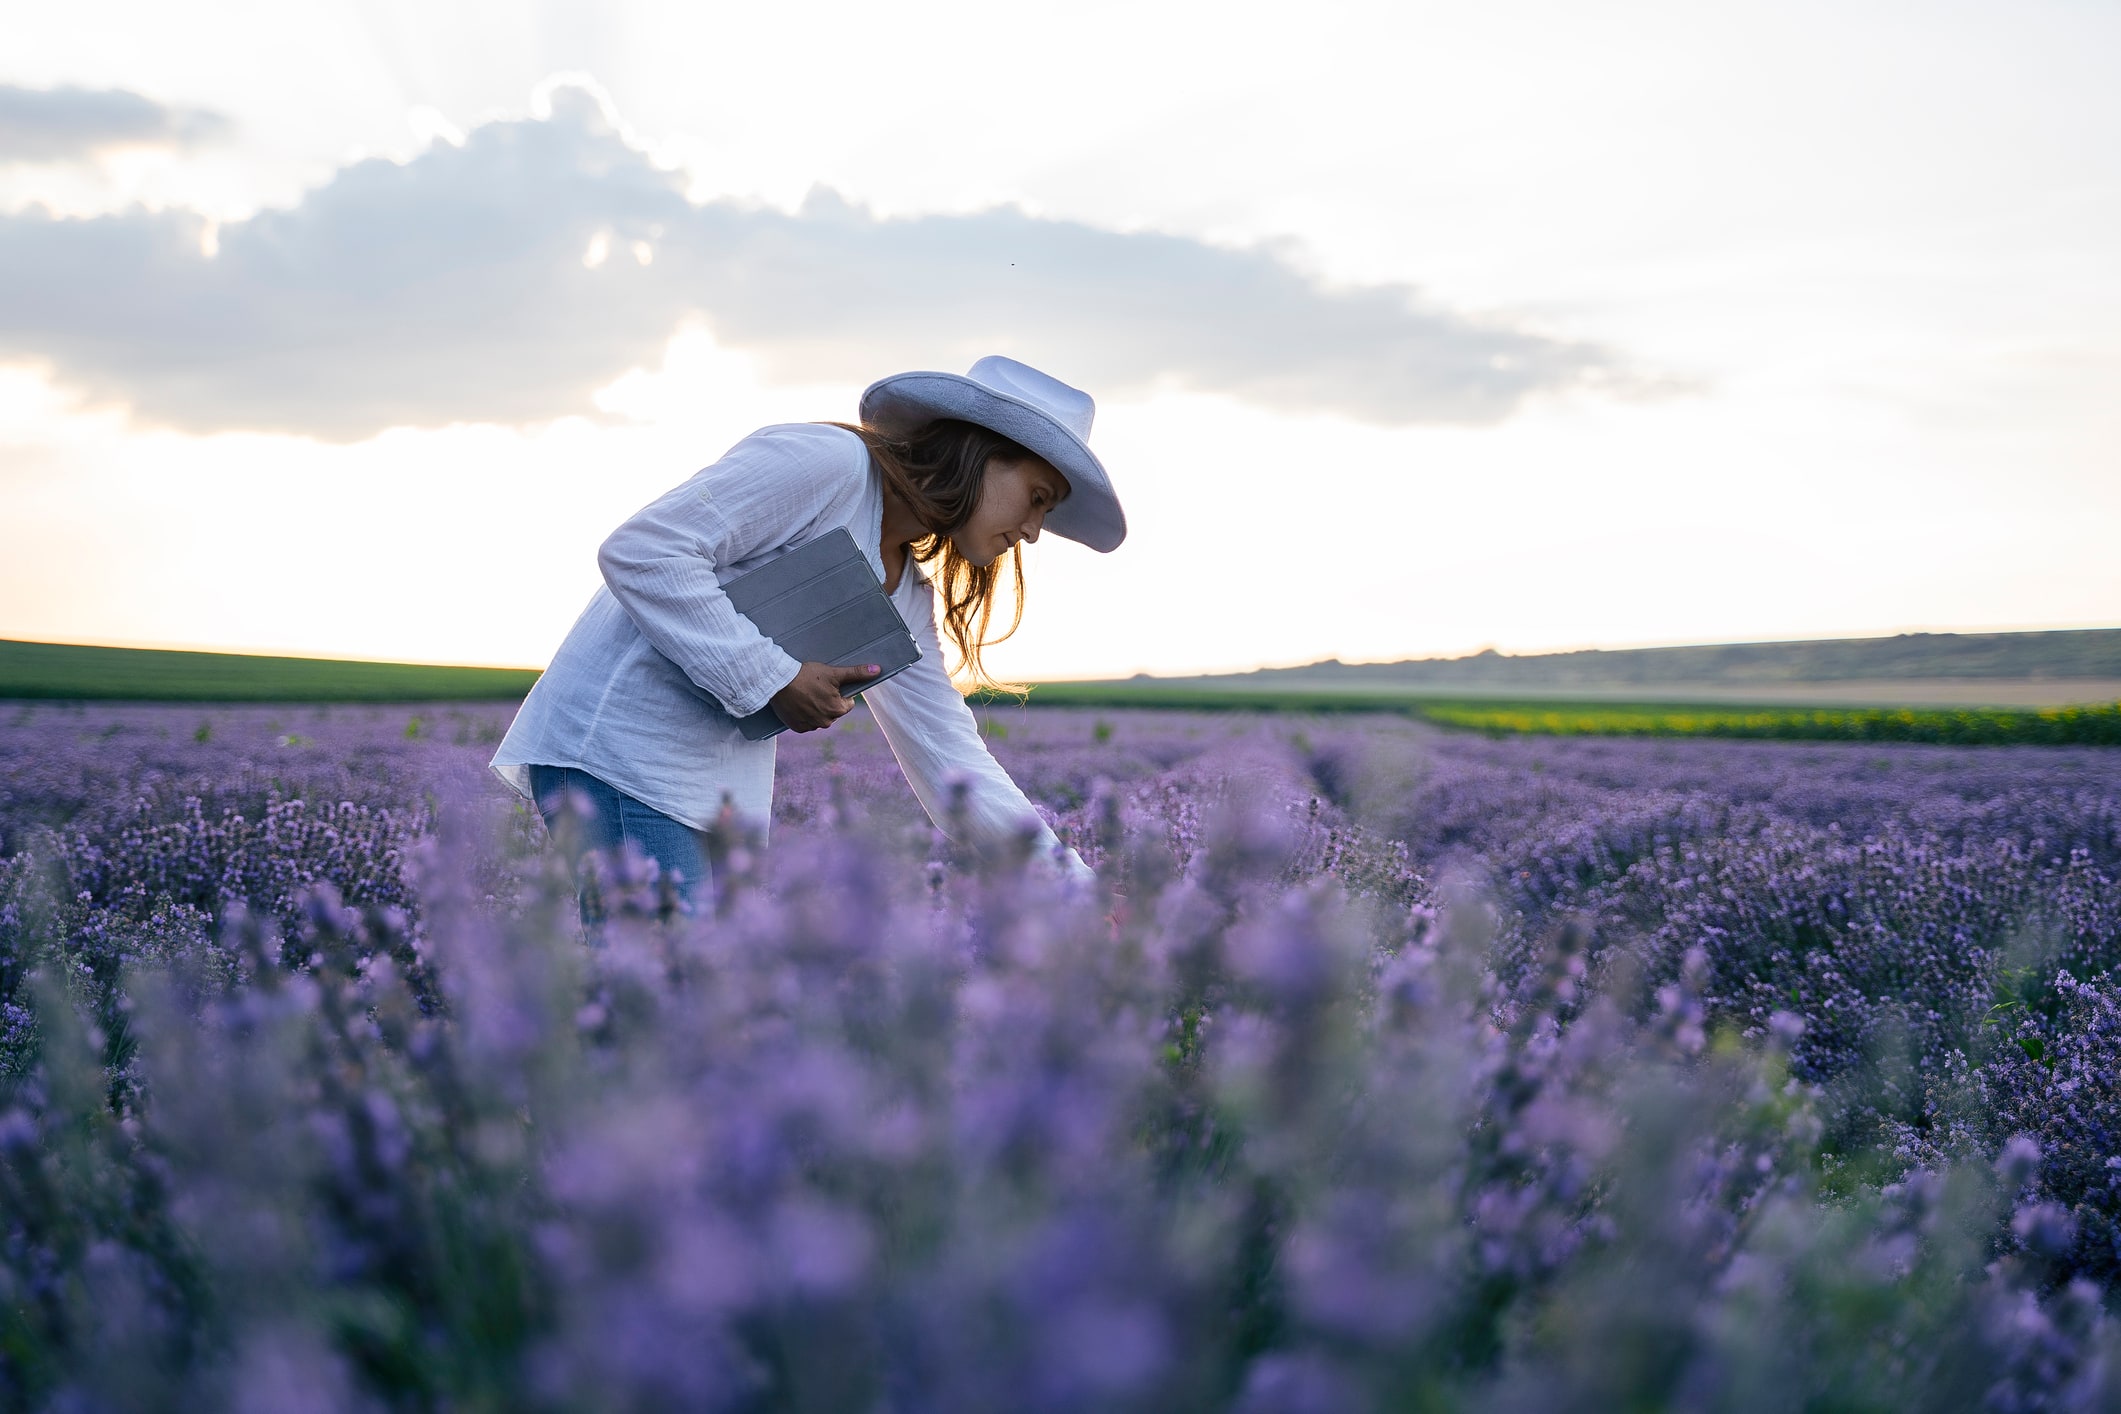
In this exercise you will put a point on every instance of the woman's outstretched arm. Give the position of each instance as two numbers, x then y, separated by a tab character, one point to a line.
937	741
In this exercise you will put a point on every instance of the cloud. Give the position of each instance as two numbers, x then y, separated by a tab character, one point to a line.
70	124
508	278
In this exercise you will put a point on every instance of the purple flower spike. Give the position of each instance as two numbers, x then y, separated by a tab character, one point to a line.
2045	1228
2019	1162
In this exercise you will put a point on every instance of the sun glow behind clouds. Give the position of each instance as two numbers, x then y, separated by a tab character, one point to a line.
1256	537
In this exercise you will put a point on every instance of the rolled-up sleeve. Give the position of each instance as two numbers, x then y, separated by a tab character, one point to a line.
937	741
663	565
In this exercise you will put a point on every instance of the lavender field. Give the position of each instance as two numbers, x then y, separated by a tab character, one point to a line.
1385	1069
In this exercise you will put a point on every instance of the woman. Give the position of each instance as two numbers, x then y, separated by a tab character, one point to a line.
637	712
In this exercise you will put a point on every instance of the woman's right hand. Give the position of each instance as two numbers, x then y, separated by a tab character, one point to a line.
816	696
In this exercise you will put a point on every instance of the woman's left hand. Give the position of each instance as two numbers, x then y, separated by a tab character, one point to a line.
816	696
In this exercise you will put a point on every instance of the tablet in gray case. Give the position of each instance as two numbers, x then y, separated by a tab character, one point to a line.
822	604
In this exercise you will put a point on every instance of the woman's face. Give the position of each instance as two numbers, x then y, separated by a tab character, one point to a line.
1013	500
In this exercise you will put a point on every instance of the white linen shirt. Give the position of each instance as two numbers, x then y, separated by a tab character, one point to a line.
645	690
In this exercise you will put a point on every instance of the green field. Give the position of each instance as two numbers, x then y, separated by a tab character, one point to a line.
1962	726
73	671
69	671
1965	726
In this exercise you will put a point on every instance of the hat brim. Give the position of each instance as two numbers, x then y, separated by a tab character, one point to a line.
1090	514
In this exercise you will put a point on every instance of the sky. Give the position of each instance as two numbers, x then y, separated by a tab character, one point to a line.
351	329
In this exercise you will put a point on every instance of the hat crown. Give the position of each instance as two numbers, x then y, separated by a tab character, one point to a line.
1072	408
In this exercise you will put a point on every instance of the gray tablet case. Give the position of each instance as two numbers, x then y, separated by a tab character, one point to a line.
822	604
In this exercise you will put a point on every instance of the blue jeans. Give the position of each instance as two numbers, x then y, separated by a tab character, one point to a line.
611	820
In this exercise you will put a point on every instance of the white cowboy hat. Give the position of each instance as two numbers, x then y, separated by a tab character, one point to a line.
1037	412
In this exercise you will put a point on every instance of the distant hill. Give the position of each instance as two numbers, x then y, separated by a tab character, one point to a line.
75	671
2058	665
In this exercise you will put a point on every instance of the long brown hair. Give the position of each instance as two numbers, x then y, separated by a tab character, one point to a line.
938	471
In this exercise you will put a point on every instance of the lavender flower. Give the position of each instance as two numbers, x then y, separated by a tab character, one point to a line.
1719	1071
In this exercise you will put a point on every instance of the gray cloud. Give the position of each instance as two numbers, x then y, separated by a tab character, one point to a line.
452	288
67	124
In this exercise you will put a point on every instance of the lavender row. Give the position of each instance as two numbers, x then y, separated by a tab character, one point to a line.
1712	1076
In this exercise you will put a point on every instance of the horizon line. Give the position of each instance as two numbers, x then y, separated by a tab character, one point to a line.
137	645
